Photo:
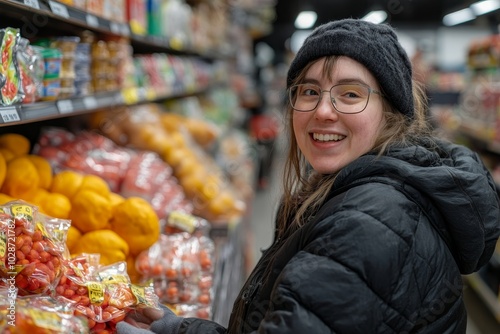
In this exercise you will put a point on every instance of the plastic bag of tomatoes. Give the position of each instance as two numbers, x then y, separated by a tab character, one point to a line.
103	295
180	266
45	315
27	250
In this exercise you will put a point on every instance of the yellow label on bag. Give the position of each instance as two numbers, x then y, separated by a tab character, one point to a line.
139	294
96	292
22	210
45	319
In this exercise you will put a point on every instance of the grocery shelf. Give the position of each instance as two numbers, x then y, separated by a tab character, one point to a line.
482	134
42	13
29	113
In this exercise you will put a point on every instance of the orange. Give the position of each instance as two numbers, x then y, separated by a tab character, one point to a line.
37	196
111	247
223	204
115	199
5	198
3	168
97	184
132	271
44	170
56	205
72	237
66	182
136	222
90	210
171	122
21	178
16	143
7	154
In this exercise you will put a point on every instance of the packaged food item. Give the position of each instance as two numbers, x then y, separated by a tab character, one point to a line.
180	265
38	256
46	315
10	82
52	58
103	295
51	89
31	70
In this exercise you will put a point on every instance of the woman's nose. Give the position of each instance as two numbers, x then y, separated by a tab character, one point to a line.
325	108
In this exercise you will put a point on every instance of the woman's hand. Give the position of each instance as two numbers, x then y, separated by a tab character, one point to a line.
150	320
139	321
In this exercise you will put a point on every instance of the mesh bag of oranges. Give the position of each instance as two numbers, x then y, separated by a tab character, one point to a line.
28	251
103	295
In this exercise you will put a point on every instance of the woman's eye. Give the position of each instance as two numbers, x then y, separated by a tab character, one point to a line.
351	94
310	92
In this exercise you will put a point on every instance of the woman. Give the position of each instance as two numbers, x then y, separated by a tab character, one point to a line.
378	220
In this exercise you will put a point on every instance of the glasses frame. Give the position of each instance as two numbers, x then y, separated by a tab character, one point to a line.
332	100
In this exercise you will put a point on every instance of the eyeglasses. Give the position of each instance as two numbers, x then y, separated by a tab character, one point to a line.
345	98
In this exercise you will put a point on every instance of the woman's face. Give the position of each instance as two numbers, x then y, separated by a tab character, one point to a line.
328	139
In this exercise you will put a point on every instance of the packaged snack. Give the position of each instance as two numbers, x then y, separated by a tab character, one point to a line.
31	70
10	83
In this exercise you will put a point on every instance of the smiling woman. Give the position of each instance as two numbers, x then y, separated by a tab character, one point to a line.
378	219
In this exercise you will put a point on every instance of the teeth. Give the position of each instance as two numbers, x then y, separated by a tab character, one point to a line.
327	137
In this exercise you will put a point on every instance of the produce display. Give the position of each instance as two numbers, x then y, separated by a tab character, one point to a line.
175	140
34	255
101	228
180	265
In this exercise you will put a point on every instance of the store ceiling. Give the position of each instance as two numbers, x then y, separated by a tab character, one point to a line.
412	14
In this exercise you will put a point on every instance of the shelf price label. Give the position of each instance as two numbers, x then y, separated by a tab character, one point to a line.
9	114
130	95
59	9
92	20
32	3
64	106
90	102
115	28
125	29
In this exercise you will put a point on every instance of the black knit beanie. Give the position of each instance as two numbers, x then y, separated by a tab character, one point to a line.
374	45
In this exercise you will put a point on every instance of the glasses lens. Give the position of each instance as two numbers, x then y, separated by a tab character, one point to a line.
350	99
304	97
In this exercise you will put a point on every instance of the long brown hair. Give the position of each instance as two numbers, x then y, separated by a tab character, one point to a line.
304	190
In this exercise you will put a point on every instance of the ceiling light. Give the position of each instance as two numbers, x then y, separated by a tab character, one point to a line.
486	6
305	20
458	17
377	16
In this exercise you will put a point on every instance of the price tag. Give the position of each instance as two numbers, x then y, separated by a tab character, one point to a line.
92	20
115	28
150	94
176	43
130	95
45	319
22	211
9	114
32	3
64	106
125	30
59	9
96	292
90	102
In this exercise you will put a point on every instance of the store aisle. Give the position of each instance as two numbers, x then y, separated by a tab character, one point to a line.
265	204
481	320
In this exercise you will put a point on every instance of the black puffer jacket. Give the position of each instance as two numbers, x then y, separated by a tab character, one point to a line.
384	254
